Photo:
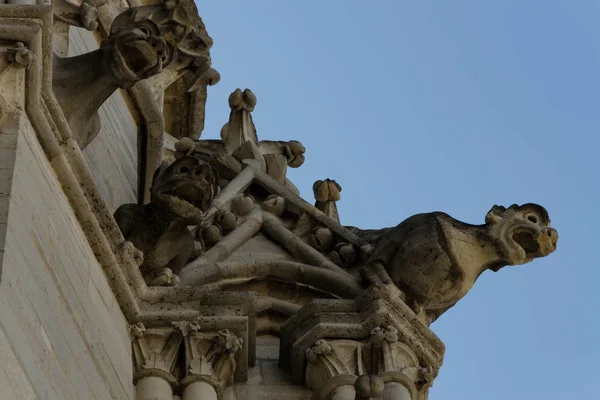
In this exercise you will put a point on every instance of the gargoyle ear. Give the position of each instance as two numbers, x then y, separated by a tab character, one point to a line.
495	214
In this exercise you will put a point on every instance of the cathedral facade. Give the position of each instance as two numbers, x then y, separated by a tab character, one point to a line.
140	261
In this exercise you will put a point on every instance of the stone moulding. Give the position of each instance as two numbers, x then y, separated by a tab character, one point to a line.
336	344
32	26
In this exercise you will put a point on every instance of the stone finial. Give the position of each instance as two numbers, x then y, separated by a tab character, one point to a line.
20	55
327	193
437	242
240	128
245	100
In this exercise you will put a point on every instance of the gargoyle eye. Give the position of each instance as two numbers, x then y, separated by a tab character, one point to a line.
144	30
532	218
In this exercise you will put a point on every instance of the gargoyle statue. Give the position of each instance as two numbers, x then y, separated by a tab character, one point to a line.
179	196
435	260
142	42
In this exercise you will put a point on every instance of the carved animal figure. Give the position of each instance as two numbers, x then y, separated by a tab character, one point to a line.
142	42
180	194
435	259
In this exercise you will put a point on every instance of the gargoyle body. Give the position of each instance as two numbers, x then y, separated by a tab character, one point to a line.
180	194
142	42
435	259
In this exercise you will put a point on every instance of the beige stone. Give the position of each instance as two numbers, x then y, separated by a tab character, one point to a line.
226	284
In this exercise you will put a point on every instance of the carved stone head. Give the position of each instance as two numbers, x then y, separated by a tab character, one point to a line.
186	188
144	40
522	232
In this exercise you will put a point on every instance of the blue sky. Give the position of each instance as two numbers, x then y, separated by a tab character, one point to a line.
417	106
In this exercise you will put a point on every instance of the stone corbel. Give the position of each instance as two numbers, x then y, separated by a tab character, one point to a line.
388	342
155	354
210	361
332	367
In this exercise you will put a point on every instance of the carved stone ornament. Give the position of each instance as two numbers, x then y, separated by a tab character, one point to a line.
180	194
142	42
155	352
435	259
84	15
19	54
365	370
211	357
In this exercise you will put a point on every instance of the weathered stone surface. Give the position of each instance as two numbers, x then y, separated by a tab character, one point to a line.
142	42
435	259
181	193
58	312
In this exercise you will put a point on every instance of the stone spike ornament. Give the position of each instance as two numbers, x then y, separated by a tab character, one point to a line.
327	193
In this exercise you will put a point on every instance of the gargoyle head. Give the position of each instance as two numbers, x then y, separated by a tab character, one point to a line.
186	188
522	232
143	40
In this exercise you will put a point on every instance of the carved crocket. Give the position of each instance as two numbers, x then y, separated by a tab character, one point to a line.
435	259
180	194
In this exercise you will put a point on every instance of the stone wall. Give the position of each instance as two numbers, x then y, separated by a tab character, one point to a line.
62	333
266	381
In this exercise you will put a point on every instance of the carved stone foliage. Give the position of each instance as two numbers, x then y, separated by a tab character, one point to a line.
181	193
183	358
435	259
239	142
374	357
142	42
19	54
335	363
330	344
209	357
155	352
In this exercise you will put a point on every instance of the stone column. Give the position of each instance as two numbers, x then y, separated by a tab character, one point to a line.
199	390
382	352
155	354
209	361
331	370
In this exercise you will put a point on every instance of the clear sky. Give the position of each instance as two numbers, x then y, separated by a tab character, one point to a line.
417	106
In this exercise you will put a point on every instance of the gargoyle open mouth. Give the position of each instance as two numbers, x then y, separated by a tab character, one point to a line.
140	54
189	194
528	241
